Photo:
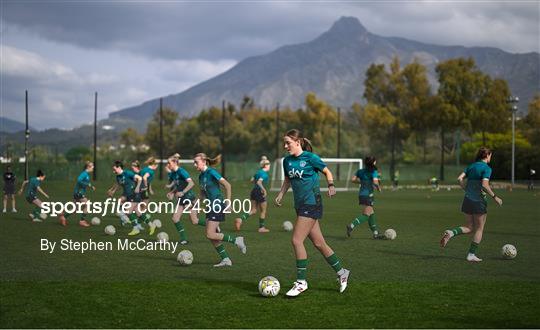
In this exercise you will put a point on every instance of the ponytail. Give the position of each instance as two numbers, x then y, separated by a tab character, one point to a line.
264	161
296	135
151	161
209	161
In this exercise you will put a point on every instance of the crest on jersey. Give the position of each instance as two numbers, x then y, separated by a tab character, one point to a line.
302	163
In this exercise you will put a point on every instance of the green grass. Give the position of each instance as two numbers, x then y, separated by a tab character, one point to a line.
408	282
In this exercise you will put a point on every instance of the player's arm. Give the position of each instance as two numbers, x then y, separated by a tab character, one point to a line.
145	179
487	189
330	181
461	179
112	190
355	179
284	188
42	192
227	186
377	184
150	190
260	184
139	180
25	182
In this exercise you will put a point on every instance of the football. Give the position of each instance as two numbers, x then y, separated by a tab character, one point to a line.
110	230
287	226
185	257
269	286
390	234
157	223
508	251
163	237
95	221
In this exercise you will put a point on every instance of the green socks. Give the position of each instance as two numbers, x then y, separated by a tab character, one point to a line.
334	262
473	248
261	222
180	228
244	216
37	212
373	223
361	219
229	238
457	231
83	216
221	251
133	219
202	222
301	268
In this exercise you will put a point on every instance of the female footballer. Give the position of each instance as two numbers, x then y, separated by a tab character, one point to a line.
368	178
258	197
474	203
301	167
31	194
79	194
214	206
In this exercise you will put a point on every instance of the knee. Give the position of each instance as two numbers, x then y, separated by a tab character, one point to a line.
210	236
320	245
297	241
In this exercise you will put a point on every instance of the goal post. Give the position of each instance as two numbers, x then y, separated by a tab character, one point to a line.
346	167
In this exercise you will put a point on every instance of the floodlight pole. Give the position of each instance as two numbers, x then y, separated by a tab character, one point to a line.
338	139
161	138
513	100
277	131
95	137
223	105
26	137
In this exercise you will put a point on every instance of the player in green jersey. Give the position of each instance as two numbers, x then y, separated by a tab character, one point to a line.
31	194
369	181
257	197
210	182
302	169
474	203
79	194
130	183
182	188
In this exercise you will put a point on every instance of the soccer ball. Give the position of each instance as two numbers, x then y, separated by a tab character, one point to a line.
287	226
185	257
390	234
163	237
508	251
95	221
43	216
110	230
157	223
269	286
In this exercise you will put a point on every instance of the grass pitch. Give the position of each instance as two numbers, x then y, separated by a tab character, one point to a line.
408	282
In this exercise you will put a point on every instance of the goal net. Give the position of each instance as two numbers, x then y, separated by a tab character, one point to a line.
342	168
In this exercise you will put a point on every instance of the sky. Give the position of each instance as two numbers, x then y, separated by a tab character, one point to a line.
132	51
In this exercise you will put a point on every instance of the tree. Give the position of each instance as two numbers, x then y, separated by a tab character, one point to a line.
530	125
491	113
77	154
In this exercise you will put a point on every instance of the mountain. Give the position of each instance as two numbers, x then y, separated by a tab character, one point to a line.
333	66
11	126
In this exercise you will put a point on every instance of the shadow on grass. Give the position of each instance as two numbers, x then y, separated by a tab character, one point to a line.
418	255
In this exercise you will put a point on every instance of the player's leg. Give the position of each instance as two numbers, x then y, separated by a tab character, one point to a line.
83	222
367	211
466	229
214	233
302	228
134	219
262	217
316	236
244	216
5	203
194	216
13	208
178	224
479	222
35	215
211	228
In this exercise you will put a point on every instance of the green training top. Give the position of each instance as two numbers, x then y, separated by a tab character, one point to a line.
304	177
31	189
83	181
180	178
209	182
366	181
475	173
127	181
261	174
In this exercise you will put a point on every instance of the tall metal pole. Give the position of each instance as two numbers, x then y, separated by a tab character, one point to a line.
223	138
277	132
513	144
26	137
95	137
338	139
161	138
